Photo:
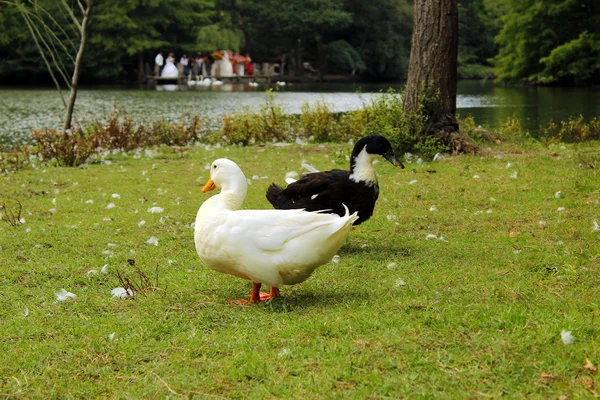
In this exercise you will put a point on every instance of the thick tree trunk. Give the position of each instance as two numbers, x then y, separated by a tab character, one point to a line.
78	61
432	72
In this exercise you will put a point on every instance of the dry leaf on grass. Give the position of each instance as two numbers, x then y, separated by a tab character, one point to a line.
589	366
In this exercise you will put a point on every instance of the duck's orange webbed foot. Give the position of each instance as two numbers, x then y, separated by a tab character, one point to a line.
257	296
274	292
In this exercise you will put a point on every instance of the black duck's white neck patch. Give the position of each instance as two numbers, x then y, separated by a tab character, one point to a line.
363	170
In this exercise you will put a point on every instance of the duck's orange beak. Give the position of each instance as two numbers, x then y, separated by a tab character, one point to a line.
210	185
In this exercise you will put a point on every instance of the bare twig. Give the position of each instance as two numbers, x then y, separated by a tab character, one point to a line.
169	388
14	219
48	66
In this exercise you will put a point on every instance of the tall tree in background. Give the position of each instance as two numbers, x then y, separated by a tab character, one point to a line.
432	72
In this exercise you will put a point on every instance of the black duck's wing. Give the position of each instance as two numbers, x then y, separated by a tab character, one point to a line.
316	191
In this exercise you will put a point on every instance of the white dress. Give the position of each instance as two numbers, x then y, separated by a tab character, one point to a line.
226	68
170	70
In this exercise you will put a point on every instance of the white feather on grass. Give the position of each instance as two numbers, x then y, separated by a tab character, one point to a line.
392	265
116	196
26	312
413	182
155	210
141	223
284	352
152	241
400	282
431	236
122	293
309	168
63	295
291	174
111	336
335	259
558	195
110	205
433	208
567	337
596	227
104	269
514	175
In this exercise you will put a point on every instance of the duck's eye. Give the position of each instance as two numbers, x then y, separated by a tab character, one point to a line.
214	167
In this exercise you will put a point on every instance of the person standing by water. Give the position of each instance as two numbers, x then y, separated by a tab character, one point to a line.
248	65
185	63
158	63
170	70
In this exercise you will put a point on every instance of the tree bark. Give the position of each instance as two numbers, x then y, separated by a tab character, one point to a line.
77	69
433	70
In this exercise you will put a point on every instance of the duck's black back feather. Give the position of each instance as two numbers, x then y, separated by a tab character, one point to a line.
332	189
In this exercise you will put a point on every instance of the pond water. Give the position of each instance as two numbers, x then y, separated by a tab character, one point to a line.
26	109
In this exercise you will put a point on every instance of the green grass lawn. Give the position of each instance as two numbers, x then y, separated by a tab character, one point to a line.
475	313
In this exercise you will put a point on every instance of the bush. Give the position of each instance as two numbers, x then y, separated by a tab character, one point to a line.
69	149
575	130
318	123
512	129
119	132
274	122
430	147
187	130
242	128
15	158
386	116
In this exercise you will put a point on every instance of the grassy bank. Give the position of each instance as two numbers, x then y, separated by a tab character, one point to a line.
476	311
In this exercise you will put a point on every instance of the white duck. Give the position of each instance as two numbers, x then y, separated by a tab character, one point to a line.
274	247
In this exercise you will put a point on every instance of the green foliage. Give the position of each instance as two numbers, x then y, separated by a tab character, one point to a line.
216	37
545	42
511	129
242	128
428	148
381	33
576	61
177	134
387	117
575	130
269	124
476	32
344	56
318	122
474	71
